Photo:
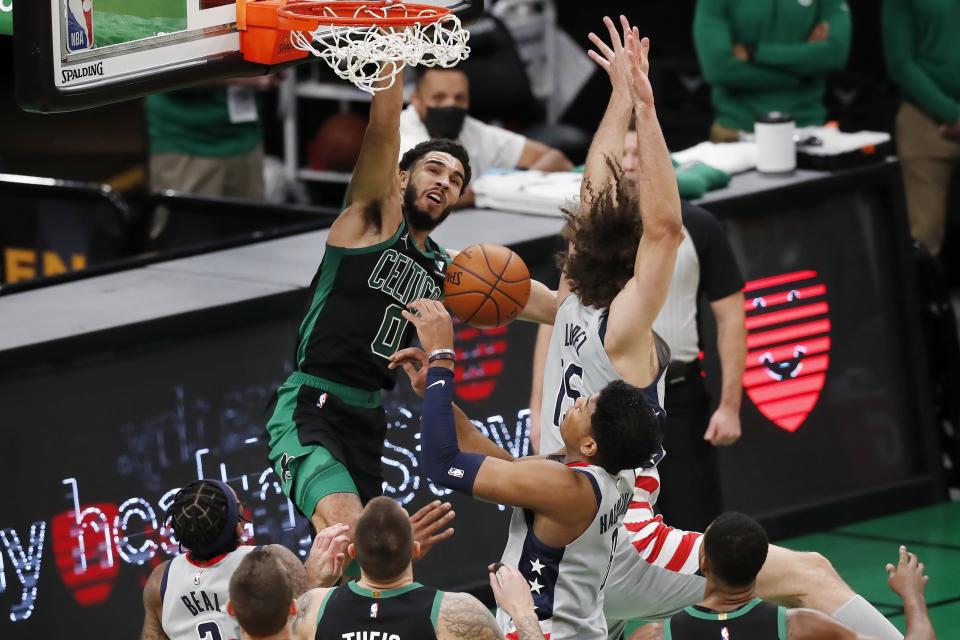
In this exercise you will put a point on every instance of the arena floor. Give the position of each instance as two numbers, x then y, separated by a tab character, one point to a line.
861	551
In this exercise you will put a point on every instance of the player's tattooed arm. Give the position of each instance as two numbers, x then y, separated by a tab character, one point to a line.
153	606
463	617
528	627
307	607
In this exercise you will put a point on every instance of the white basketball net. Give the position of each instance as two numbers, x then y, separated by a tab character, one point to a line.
371	57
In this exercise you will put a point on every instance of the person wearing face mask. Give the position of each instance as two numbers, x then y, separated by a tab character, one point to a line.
438	109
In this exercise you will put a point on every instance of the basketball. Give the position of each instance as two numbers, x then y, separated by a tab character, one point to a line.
487	285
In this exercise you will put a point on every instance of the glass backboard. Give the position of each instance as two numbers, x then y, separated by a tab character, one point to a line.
75	54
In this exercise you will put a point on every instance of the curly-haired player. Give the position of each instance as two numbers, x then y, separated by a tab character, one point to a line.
187	595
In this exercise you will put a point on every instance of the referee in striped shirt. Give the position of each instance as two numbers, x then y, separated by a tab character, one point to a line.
706	269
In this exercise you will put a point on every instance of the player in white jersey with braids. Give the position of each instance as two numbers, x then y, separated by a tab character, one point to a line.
618	269
187	597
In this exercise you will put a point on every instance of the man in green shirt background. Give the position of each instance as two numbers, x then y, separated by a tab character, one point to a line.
921	40
207	140
760	56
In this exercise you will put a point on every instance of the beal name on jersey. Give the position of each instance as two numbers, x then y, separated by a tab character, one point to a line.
204	604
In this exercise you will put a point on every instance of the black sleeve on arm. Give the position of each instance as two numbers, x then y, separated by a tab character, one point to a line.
719	272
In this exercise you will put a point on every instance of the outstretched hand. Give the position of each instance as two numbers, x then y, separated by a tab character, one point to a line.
511	590
614	58
907	579
639	55
414	363
429	524
328	556
433	323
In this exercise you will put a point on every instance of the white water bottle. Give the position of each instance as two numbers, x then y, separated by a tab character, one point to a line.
776	149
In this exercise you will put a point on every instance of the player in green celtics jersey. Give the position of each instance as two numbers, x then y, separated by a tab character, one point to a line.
328	425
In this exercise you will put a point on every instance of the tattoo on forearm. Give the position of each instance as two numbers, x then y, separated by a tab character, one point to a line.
464	618
528	627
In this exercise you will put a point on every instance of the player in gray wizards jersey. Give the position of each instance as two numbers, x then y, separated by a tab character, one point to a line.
618	268
564	530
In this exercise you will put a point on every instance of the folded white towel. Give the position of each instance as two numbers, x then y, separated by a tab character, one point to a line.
731	157
528	191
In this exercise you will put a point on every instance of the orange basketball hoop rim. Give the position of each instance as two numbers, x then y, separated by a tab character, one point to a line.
366	43
305	15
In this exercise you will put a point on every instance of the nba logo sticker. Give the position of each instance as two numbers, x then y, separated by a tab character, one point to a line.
79	25
374	609
788	346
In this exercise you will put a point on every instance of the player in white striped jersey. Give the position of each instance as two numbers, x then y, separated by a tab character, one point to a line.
563	533
618	272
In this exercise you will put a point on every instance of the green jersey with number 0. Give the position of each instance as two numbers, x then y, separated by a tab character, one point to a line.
353	324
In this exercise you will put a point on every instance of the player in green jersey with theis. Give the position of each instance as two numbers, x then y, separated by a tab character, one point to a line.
328	424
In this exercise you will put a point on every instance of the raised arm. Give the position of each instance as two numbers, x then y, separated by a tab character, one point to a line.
607	144
714	45
375	180
908	581
634	309
816	56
